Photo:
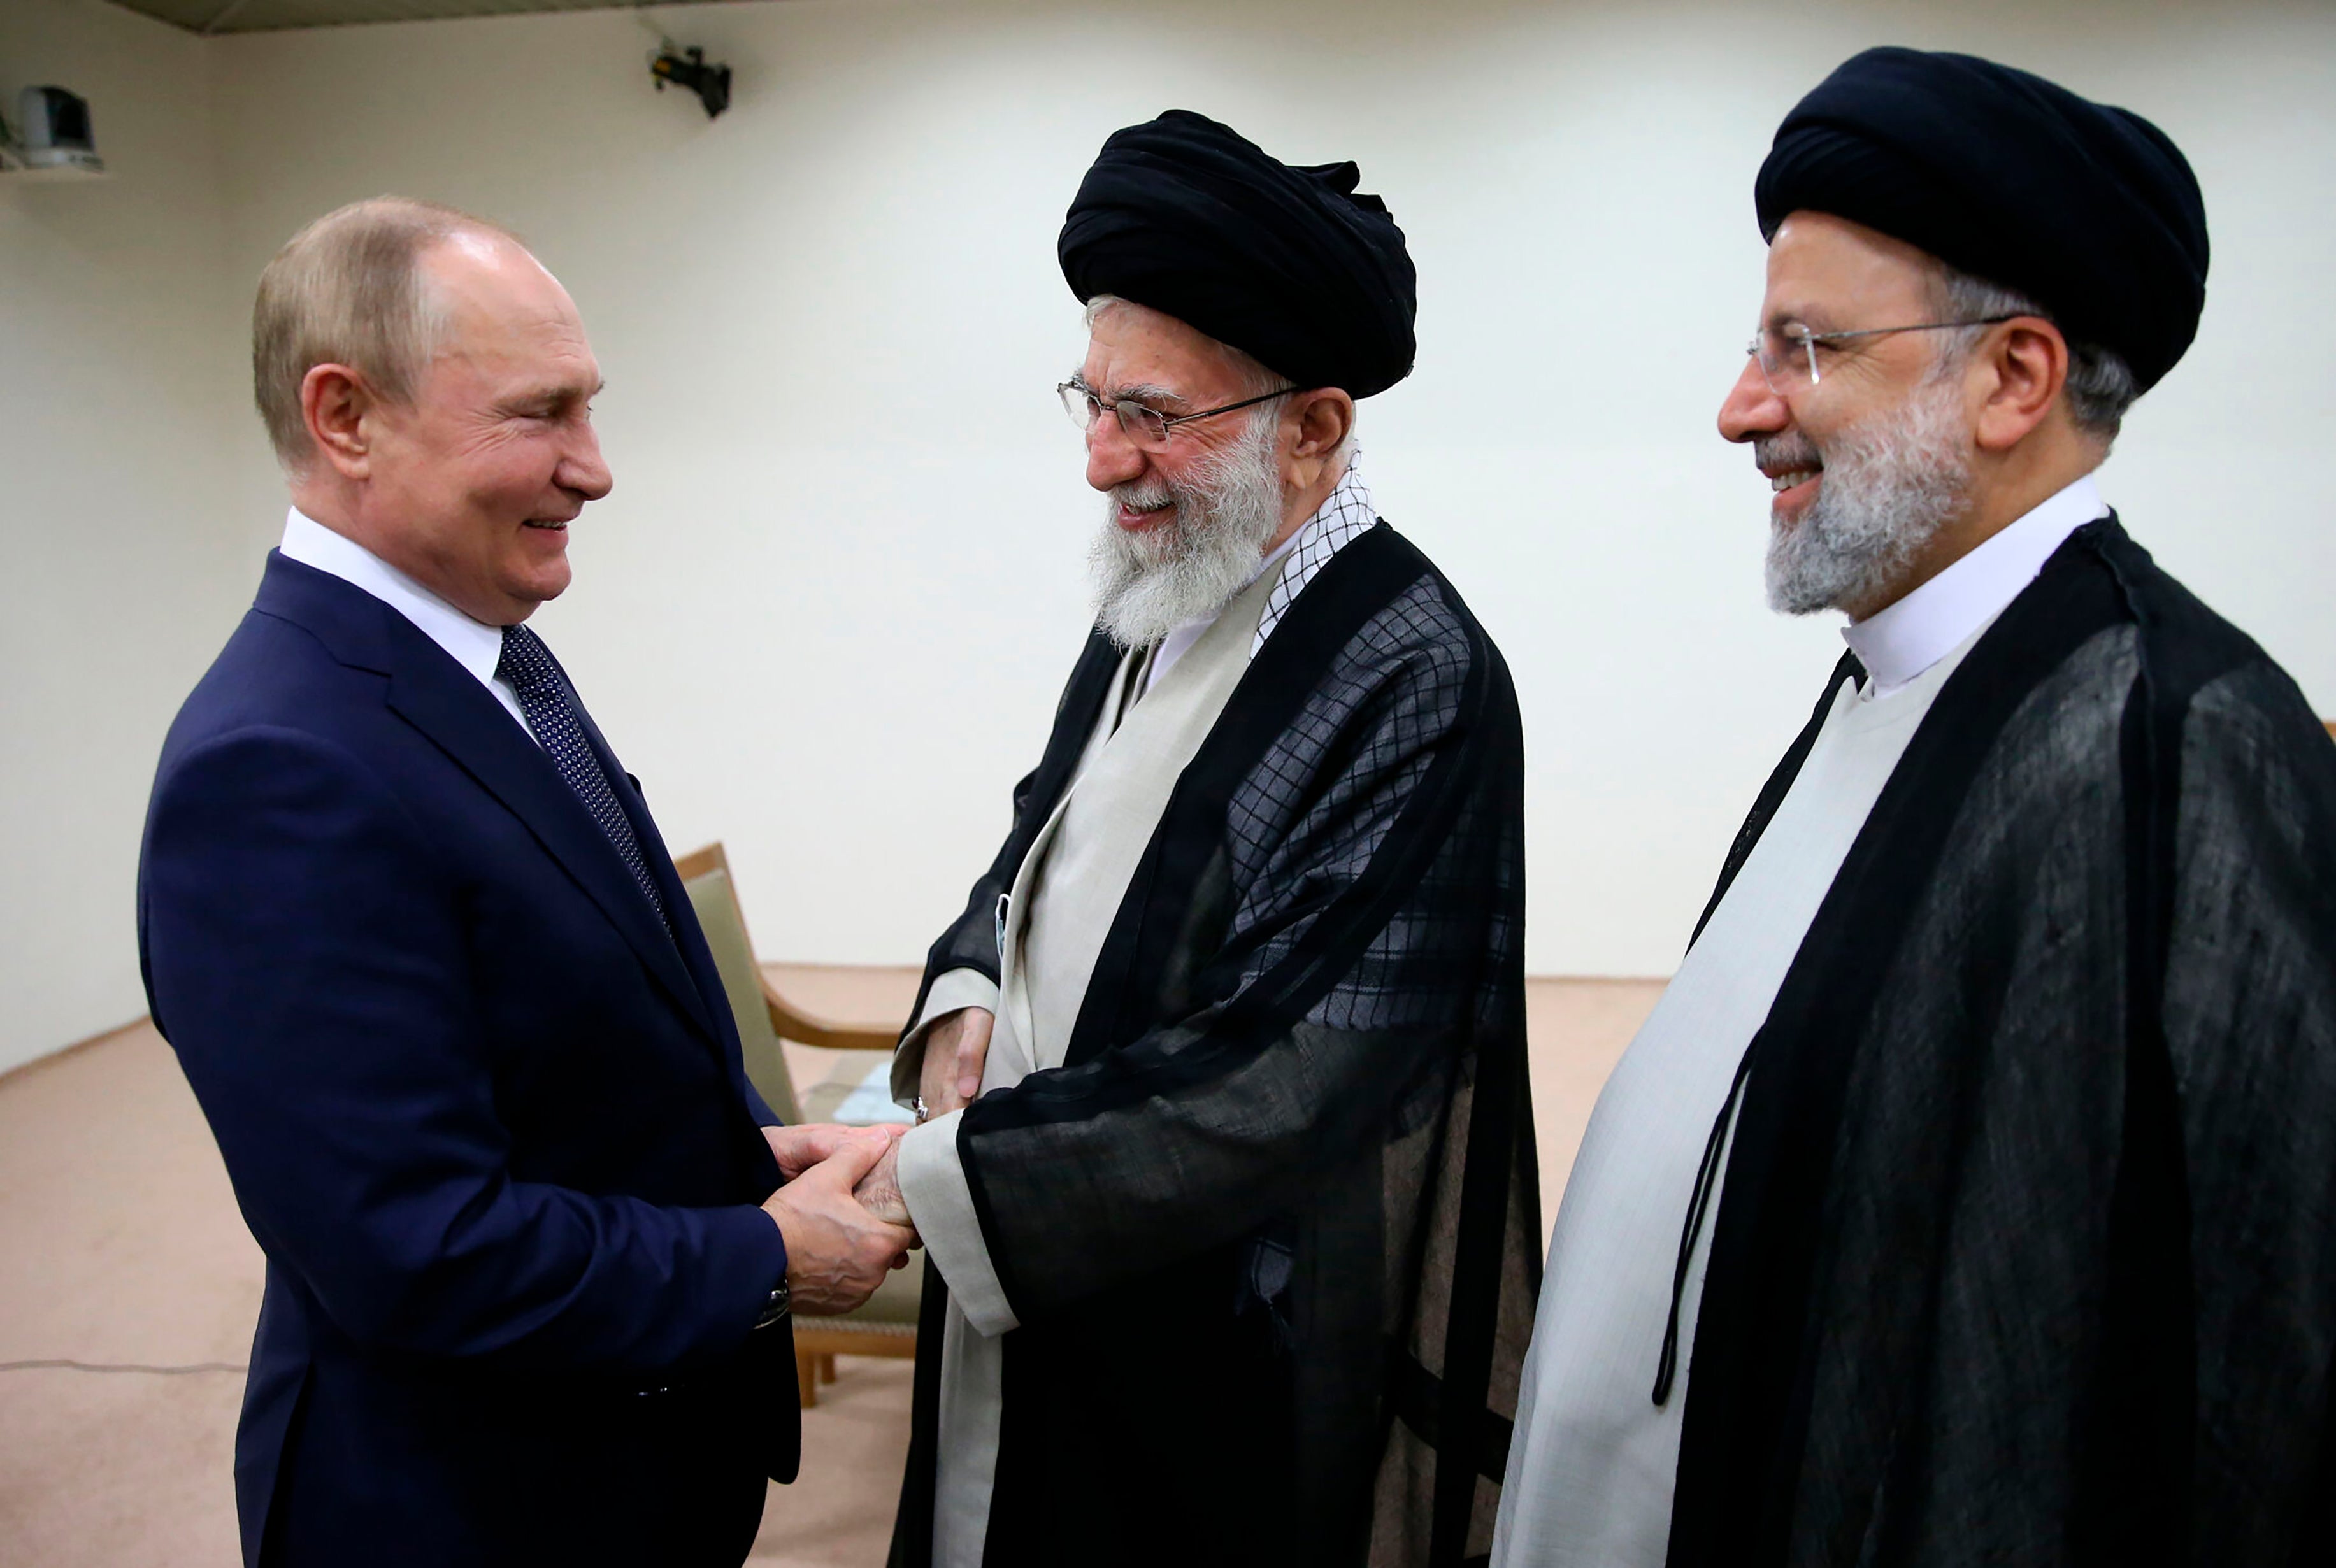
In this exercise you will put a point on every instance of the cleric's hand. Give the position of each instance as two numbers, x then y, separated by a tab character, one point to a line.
837	1252
955	1048
879	1191
798	1149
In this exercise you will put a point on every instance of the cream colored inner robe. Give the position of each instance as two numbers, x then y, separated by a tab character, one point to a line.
1064	897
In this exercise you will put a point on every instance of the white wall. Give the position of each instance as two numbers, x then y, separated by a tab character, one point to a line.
827	611
119	387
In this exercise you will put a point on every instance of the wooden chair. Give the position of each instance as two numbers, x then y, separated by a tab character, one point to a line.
886	1325
787	1020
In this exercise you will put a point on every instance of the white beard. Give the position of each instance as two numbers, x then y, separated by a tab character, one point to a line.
1889	485
1147	585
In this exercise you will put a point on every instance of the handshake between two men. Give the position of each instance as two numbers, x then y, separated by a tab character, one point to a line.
954	1052
844	1225
839	1208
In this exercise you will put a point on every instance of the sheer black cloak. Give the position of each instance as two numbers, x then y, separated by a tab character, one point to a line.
2027	1249
1272	1231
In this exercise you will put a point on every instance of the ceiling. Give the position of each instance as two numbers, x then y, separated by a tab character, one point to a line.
212	16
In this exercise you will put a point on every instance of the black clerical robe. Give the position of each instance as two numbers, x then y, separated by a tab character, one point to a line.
2027	1247
1272	1231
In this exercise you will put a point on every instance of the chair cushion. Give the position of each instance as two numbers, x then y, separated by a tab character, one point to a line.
734	959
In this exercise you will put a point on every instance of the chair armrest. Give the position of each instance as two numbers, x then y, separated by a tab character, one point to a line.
790	1022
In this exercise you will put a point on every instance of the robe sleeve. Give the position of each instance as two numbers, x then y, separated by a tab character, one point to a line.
961	969
940	1201
950	993
1208	1126
2250	1021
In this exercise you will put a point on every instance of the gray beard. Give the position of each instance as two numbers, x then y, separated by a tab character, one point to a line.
1147	585
1889	486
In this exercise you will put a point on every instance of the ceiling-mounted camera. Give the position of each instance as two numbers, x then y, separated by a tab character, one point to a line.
688	69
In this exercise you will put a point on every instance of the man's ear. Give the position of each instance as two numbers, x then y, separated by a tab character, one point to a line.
334	401
2026	361
1325	416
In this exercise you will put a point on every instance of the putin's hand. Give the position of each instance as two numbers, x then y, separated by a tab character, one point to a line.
798	1149
837	1252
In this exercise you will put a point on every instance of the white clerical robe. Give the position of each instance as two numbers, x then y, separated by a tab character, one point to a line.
1052	926
1593	1464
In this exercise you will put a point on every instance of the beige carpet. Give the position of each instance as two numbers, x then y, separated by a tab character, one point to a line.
120	1247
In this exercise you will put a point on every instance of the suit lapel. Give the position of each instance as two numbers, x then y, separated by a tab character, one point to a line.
441	700
697	960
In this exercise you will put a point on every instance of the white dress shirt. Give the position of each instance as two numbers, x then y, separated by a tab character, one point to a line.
474	644
1595	1461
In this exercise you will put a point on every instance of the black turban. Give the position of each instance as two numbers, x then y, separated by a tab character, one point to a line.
1287	264
2089	209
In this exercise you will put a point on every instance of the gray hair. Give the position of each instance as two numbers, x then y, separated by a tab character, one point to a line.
1250	374
2100	386
348	289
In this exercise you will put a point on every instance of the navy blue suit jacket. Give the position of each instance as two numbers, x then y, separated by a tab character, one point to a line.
486	1118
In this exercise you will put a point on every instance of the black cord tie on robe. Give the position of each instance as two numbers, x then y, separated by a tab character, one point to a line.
1707	1178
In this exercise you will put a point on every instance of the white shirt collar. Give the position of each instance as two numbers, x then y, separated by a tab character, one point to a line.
1897	643
474	644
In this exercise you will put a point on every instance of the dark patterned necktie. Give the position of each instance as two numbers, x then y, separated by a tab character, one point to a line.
534	675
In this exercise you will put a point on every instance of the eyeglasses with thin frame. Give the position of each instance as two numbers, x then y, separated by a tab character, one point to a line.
1781	355
1146	427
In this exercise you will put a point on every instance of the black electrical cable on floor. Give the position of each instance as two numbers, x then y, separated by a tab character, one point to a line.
120	1367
